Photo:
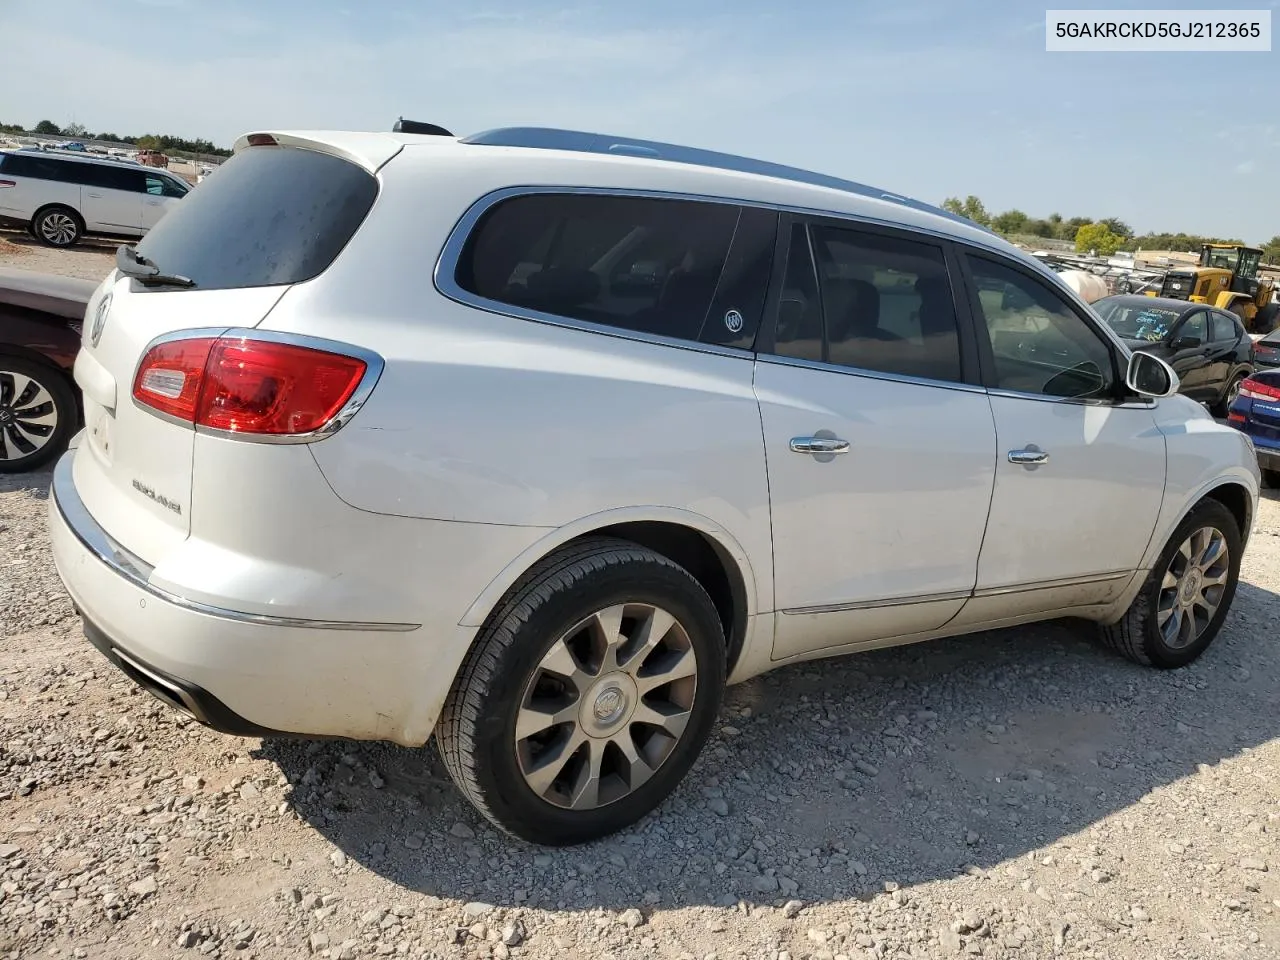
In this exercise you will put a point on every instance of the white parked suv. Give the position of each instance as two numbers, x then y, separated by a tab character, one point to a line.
60	197
533	440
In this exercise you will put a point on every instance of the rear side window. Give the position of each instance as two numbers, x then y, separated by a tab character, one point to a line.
159	186
272	215
869	301
113	178
642	264
41	168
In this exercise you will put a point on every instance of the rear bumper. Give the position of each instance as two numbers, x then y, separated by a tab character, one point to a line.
245	674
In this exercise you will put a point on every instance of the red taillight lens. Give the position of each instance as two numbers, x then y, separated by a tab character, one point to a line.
170	376
247	386
1257	390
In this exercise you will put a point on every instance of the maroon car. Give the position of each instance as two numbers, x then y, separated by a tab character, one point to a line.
40	323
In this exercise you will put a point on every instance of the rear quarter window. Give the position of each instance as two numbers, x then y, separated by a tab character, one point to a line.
272	215
689	270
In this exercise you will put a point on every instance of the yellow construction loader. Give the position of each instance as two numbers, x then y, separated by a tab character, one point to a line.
1227	277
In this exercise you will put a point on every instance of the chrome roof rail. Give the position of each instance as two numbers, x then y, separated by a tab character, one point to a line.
547	138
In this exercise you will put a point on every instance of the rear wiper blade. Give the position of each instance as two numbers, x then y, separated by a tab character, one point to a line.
133	264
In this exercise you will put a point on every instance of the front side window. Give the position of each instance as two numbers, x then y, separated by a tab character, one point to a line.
164	187
1039	344
648	265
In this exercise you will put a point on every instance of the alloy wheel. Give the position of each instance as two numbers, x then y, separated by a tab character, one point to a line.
606	706
58	228
28	416
1193	587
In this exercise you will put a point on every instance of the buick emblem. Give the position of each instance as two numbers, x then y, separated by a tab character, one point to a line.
733	321
99	320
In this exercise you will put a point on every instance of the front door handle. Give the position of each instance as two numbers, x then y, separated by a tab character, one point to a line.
1028	457
819	445
96	196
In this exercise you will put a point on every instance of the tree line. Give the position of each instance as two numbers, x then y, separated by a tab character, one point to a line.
1104	237
149	141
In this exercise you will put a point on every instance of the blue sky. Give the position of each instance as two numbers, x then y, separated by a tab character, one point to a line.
920	97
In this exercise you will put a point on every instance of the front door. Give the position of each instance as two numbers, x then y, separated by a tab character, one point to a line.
112	199
880	454
1080	471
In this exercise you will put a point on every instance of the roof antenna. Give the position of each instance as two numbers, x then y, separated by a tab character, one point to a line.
417	126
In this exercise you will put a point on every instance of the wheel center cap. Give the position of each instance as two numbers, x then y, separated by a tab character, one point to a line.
1191	586
608	705
6	415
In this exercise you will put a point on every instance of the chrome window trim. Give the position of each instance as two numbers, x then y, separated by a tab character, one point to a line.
443	275
374	365
1143	404
138	572
825	367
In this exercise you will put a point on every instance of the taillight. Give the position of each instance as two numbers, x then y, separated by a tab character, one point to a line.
1235	418
170	376
247	386
1257	390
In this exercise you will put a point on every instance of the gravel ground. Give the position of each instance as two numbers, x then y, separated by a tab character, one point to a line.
1018	794
88	260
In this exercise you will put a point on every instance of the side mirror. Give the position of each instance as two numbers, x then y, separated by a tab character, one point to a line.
1149	376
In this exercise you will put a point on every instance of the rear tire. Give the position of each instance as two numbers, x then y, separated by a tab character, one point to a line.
38	414
1223	406
1177	614
560	727
58	227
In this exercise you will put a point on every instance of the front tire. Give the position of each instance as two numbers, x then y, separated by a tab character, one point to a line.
1184	601
587	696
58	227
38	414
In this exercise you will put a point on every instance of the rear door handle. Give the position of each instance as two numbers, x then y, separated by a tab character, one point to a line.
1028	457
96	196
819	445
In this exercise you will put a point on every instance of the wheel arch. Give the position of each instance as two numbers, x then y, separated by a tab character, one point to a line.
710	553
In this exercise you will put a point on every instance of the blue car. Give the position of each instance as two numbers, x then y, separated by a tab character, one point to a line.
1256	411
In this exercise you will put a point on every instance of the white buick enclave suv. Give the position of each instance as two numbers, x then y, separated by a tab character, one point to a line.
534	440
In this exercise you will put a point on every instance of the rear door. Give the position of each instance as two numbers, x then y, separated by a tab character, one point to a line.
1189	343
1225	334
271	218
880	447
112	197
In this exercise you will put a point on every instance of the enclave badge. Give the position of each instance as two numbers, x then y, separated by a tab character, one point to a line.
99	320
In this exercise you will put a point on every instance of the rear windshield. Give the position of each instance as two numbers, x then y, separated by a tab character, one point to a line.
269	215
